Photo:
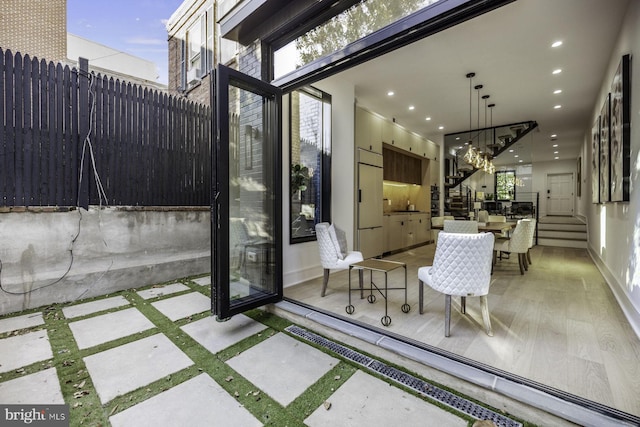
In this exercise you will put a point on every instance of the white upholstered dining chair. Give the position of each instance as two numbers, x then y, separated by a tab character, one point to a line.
518	243
332	244
452	226
461	267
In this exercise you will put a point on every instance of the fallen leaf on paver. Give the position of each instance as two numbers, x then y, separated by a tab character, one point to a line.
68	362
80	385
327	405
20	371
79	394
77	404
236	394
255	393
113	410
337	377
229	378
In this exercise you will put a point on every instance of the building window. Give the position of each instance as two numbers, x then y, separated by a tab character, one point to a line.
310	169
505	185
197	49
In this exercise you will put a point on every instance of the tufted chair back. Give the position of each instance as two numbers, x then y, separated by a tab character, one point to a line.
483	216
496	218
452	226
462	264
328	254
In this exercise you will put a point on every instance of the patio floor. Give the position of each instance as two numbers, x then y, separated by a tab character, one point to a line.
155	356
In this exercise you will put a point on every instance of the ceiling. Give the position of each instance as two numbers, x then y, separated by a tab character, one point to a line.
510	51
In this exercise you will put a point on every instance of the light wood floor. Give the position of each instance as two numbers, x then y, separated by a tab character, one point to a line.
559	324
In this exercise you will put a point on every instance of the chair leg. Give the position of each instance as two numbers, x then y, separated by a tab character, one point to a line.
447	314
525	262
463	305
421	295
361	282
529	256
484	305
520	263
325	281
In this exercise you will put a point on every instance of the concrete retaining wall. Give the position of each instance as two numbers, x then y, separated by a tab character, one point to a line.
52	257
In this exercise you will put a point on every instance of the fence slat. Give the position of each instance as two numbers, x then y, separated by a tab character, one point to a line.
43	160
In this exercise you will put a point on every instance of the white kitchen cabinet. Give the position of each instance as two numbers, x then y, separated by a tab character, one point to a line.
368	130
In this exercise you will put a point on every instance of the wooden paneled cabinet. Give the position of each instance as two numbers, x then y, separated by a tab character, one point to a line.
368	131
404	230
401	167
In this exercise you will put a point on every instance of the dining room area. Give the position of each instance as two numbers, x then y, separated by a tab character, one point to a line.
553	318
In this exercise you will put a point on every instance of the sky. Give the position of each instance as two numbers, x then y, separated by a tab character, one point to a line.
136	27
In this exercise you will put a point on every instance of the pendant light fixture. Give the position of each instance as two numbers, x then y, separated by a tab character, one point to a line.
478	162
470	155
492	168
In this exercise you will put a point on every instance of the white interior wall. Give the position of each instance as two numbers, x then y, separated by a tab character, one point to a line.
614	228
301	261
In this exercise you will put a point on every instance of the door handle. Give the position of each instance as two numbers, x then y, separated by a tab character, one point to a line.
359	196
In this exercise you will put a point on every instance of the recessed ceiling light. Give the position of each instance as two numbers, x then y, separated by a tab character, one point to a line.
411	107
391	93
440	127
516	155
554	135
519	161
557	91
556	43
427	118
511	151
557	107
556	158
555	152
457	138
555	145
558	71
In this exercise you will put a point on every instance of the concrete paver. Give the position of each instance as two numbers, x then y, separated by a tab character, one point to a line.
216	336
23	350
203	281
125	368
162	290
21	322
199	401
364	400
94	306
183	306
108	327
282	367
39	388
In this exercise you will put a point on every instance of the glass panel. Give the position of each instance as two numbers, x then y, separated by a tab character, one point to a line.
310	149
252	207
506	185
362	19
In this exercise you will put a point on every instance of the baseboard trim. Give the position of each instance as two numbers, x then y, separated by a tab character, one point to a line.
628	309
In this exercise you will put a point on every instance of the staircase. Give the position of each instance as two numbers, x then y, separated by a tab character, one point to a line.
563	231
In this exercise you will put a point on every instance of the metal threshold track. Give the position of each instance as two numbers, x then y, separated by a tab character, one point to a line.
562	404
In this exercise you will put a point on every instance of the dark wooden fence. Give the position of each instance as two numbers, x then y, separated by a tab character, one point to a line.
72	138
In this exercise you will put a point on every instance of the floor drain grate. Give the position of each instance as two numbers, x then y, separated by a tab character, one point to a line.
445	397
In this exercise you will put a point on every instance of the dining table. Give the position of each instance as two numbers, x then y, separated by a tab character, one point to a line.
492	227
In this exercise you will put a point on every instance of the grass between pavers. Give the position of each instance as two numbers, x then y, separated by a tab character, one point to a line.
85	406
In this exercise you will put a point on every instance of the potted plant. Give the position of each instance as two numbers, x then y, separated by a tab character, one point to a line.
299	179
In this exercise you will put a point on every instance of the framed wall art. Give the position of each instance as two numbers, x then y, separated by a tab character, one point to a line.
595	161
620	128
605	194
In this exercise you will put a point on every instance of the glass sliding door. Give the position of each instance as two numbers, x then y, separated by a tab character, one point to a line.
247	216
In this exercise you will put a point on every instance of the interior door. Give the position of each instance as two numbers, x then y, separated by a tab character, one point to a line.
560	194
247	194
